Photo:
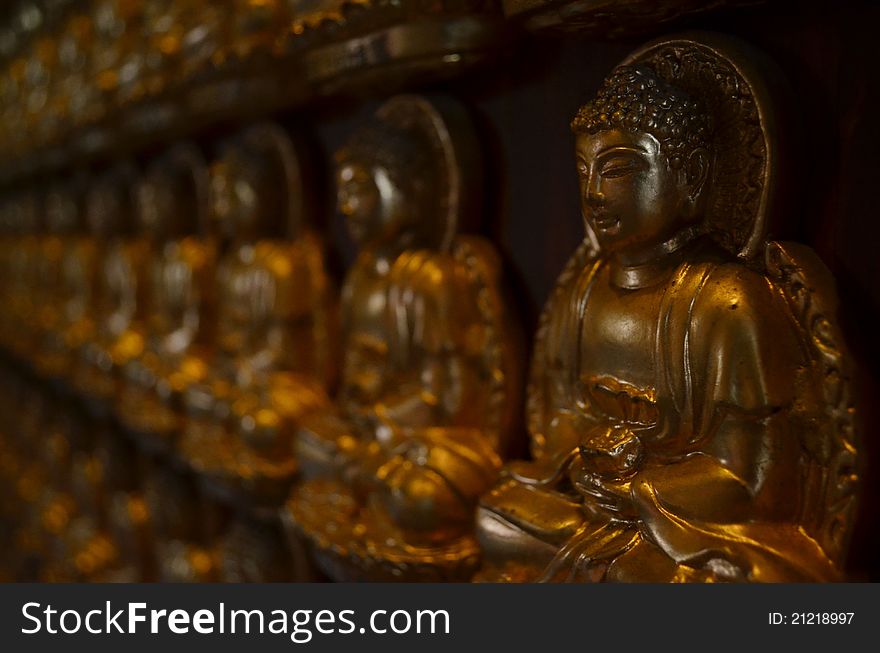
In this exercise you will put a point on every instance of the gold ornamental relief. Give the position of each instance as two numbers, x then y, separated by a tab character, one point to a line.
689	403
429	381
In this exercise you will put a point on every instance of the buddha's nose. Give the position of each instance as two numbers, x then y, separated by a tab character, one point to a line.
595	199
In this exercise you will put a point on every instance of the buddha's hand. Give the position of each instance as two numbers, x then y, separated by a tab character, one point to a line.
609	456
612	451
431	480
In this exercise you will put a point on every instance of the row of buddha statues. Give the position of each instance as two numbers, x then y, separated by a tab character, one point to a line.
188	394
74	69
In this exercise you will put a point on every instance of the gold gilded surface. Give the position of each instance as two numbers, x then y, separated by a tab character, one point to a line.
689	404
429	373
68	317
188	400
172	205
122	287
274	332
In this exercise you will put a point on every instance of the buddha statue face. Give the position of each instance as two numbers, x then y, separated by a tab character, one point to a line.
376	208
234	198
382	182
247	195
643	162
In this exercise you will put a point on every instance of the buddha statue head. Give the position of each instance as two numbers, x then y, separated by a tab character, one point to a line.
409	177
644	158
255	187
384	184
171	196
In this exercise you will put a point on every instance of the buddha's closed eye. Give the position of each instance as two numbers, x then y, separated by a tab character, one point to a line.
619	167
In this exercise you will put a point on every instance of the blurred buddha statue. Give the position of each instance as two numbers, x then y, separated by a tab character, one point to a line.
274	329
117	26
69	95
121	288
52	222
206	27
689	405
259	25
274	335
69	317
232	52
428	391
104	465
172	207
174	40
41	72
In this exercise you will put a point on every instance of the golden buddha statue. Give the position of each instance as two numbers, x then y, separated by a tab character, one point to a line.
69	97
172	206
117	29
273	339
45	291
69	320
206	28
689	409
99	332
121	288
422	419
232	54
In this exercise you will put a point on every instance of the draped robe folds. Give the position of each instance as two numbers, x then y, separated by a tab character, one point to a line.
415	430
721	492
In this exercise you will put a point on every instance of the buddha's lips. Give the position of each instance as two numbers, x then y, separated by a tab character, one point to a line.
606	222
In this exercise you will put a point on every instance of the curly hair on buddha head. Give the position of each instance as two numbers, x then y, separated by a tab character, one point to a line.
636	99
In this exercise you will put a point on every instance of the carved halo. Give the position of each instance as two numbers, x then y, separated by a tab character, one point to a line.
186	160
271	141
442	126
719	71
190	160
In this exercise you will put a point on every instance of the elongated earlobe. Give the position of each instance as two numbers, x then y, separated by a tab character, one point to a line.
697	172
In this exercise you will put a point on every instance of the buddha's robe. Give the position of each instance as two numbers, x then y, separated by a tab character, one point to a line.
417	432
715	446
